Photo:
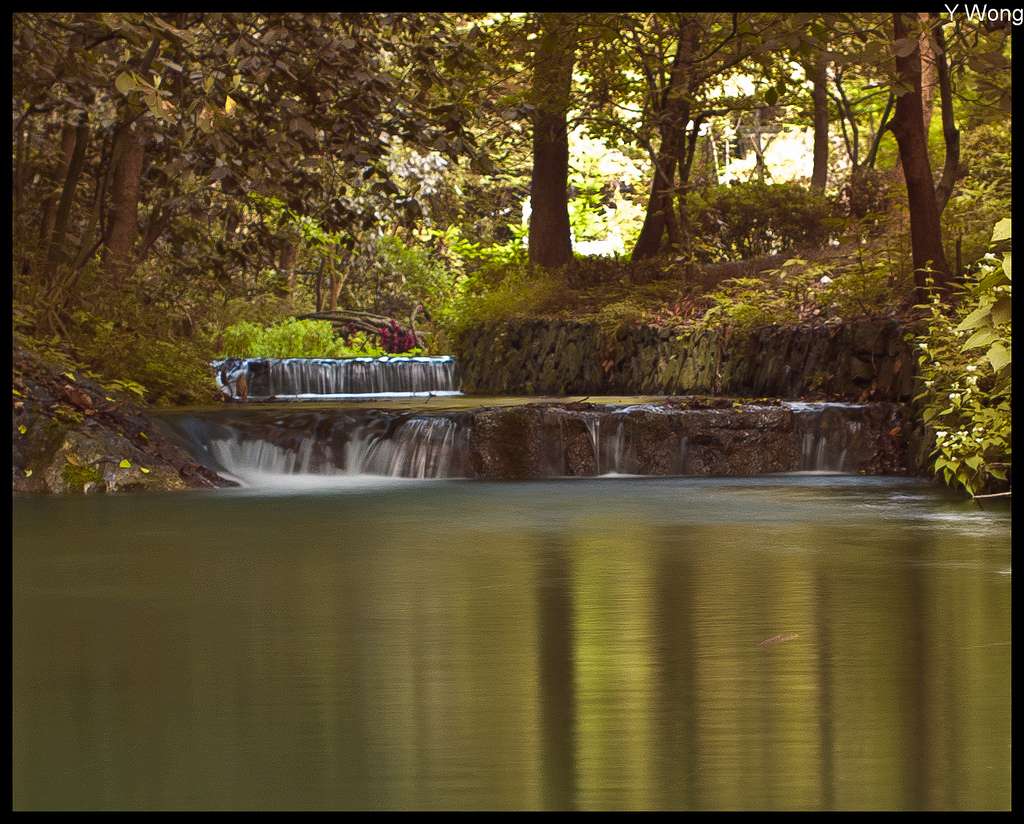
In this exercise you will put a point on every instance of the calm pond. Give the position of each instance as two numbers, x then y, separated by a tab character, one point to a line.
800	642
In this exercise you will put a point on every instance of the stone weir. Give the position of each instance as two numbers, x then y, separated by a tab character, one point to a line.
863	360
679	436
264	379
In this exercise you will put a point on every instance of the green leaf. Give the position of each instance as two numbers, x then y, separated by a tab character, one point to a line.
983	337
973	320
998	356
1006	263
973	461
1002	230
125	463
1001	311
125	83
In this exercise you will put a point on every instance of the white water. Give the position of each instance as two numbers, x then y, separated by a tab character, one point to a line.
417	447
258	450
337	378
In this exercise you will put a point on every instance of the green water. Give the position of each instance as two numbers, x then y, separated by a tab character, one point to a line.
571	644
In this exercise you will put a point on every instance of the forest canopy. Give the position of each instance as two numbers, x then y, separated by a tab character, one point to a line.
178	174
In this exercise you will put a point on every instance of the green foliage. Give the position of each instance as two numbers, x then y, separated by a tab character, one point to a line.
129	360
505	292
828	289
752	219
982	197
964	363
623	313
293	339
746	303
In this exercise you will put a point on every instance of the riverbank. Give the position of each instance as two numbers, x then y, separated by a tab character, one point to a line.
70	434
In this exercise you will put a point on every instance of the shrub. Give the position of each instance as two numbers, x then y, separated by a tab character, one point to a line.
620	314
125	360
504	292
983	196
753	219
965	367
293	339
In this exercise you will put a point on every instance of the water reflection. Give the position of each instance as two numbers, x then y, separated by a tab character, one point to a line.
390	650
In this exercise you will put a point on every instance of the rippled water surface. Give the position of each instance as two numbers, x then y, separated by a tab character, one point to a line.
809	641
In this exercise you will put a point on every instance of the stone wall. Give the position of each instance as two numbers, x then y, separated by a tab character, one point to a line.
855	361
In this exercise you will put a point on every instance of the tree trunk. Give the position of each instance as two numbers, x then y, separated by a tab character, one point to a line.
550	242
673	116
659	207
908	128
67	198
334	283
687	150
289	251
951	171
124	212
319	285
929	73
67	150
819	175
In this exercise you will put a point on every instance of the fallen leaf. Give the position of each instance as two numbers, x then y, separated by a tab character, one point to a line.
22	429
125	463
778	639
143	470
28	473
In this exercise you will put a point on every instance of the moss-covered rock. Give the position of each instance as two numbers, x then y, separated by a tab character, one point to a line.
71	436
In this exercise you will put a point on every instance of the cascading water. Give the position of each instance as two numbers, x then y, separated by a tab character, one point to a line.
255	449
324	378
256	445
829	435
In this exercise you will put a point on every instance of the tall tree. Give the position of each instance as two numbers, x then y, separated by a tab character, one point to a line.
819	173
908	128
673	112
550	241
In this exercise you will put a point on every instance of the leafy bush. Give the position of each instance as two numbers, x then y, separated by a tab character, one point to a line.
293	339
783	295
752	219
507	292
982	197
965	367
620	314
132	362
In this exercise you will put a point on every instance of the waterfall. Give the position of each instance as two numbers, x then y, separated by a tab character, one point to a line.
424	447
255	444
830	434
253	449
319	378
